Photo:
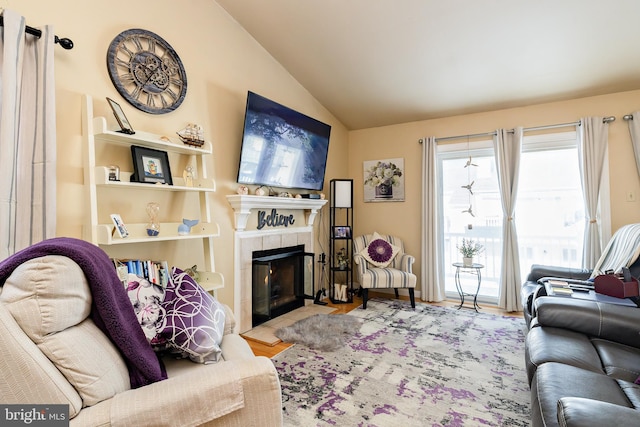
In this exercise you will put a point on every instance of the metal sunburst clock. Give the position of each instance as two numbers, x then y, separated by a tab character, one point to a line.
147	71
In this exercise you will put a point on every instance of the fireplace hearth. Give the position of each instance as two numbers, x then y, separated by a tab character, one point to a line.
282	278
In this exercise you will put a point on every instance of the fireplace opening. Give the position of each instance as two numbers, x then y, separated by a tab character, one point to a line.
282	280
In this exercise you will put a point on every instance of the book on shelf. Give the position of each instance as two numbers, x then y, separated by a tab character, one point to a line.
156	272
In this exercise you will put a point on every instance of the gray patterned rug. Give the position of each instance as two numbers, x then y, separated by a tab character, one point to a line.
434	366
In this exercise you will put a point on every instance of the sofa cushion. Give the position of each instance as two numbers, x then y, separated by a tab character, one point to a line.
553	381
26	374
194	321
618	360
89	361
50	299
379	252
547	344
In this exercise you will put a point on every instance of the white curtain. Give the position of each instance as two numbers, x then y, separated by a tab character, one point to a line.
592	146
431	279
27	136
634	130
507	146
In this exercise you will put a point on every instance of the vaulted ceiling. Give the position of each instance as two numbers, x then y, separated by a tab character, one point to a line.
381	62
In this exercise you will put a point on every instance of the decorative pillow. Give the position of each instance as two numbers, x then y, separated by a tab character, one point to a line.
193	324
146	299
379	252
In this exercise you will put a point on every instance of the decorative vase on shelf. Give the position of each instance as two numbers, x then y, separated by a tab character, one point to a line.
467	261
153	227
384	191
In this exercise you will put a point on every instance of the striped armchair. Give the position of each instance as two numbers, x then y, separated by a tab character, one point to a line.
398	274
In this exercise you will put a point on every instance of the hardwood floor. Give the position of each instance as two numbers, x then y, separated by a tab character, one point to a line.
260	349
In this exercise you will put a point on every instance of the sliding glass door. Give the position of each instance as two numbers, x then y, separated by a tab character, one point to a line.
549	207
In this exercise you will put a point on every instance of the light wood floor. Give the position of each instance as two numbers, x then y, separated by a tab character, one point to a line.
260	349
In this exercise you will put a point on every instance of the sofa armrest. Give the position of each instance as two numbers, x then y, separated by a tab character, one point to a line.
204	394
581	412
608	321
538	271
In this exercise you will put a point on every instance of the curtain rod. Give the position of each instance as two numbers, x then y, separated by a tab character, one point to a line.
561	125
65	43
628	117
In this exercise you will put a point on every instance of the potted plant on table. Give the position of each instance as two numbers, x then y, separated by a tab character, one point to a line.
469	249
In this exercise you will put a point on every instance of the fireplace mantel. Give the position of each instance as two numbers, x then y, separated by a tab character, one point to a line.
243	205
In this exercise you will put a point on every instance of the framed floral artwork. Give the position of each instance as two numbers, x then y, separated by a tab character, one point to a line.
384	180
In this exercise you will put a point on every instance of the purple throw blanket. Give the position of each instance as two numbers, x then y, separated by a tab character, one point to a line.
111	309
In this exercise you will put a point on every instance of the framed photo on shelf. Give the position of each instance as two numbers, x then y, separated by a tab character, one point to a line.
125	126
150	166
120	227
341	232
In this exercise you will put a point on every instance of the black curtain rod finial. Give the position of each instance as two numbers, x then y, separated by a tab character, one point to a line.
65	43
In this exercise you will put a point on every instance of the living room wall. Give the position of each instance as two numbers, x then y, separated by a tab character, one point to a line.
222	62
403	218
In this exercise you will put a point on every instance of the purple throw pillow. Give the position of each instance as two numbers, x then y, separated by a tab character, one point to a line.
194	320
379	252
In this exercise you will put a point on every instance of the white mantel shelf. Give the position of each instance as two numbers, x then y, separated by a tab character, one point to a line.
243	205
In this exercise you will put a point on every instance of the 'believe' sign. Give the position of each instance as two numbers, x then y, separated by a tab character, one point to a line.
274	219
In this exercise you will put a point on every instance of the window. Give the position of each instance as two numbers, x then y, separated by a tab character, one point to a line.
549	208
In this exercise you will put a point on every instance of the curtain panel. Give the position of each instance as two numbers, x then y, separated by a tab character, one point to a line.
634	131
27	136
507	146
431	279
592	147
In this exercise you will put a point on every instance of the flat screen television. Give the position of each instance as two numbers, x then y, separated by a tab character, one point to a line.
282	147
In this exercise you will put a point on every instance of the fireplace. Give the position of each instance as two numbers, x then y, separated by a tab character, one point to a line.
249	239
282	278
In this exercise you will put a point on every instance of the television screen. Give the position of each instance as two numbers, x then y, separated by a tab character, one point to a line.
282	147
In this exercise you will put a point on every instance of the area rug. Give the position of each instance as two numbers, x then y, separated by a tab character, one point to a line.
265	333
432	366
325	332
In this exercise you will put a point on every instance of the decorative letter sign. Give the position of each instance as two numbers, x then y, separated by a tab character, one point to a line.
273	219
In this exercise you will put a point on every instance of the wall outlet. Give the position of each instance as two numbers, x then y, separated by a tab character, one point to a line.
631	196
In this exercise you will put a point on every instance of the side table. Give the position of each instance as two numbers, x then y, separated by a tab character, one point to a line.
471	269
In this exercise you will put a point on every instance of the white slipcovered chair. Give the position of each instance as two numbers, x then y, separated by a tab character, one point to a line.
382	264
58	346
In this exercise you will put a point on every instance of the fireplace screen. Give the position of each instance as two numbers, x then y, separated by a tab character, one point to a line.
282	280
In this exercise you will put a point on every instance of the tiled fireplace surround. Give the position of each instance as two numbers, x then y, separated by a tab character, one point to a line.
248	239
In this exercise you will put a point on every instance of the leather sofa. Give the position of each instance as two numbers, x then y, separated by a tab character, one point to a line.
582	361
52	351
531	289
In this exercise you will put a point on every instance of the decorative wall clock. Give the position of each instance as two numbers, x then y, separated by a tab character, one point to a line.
147	71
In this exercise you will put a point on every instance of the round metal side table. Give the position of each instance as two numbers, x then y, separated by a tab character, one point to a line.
470	269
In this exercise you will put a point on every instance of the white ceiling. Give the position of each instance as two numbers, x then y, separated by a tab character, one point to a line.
380	62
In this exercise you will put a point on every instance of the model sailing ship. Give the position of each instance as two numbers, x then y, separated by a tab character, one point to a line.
193	134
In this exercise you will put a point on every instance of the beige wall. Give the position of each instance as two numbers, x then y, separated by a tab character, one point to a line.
403	218
222	62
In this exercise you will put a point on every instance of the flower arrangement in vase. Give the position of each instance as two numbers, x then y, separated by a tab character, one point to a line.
469	249
383	176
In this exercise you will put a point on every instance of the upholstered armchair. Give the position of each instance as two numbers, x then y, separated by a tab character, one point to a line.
69	335
382	264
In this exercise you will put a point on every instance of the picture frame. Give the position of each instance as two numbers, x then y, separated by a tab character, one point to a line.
119	226
123	122
384	180
341	232
150	166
